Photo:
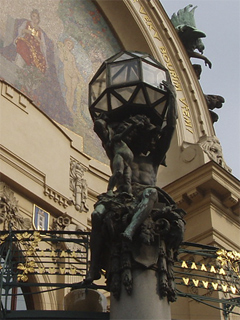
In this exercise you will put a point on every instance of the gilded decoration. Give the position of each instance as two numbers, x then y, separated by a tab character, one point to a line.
230	259
30	242
50	51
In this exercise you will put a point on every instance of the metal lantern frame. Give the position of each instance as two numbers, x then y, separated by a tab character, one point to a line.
127	84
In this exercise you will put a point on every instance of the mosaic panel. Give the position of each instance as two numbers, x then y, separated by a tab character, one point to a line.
50	50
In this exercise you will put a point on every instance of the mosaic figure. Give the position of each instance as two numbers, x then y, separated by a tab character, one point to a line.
30	43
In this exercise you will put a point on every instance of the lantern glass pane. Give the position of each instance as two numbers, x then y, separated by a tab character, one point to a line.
123	57
154	95
150	59
160	108
140	98
123	73
102	104
153	75
126	93
115	102
98	86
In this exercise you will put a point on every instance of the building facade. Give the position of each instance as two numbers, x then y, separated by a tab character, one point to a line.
53	166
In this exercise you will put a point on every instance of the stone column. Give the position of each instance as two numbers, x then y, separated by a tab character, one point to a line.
144	302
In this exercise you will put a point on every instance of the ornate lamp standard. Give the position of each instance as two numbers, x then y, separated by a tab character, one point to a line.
133	106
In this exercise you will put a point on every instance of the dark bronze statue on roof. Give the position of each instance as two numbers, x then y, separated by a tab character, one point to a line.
190	36
184	23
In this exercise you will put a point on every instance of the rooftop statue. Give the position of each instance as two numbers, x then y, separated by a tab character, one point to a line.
184	23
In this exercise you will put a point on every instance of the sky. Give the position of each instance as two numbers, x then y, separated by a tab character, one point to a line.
220	21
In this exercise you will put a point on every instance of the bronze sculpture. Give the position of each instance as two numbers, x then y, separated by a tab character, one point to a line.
136	213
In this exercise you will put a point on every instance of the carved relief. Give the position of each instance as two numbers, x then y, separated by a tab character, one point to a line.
9	211
78	185
60	223
213	149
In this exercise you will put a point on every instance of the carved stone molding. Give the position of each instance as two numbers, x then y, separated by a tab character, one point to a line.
9	210
78	185
57	197
61	222
212	147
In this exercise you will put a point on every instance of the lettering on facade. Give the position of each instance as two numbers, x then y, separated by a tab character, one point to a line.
174	76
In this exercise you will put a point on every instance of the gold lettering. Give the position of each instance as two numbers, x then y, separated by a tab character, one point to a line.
186	113
142	10
156	36
147	18
205	284
163	49
170	67
177	85
173	74
188	122
183	100
190	130
166	57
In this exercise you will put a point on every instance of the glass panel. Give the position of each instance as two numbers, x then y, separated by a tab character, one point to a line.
122	73
160	108
115	103
150	59
125	56
153	75
154	95
126	92
102	104
140	99
139	54
98	86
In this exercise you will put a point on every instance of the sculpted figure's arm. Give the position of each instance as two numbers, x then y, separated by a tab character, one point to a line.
163	143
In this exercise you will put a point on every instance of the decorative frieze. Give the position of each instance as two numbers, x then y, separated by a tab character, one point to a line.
57	197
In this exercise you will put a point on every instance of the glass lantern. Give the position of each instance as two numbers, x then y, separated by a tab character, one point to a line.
127	84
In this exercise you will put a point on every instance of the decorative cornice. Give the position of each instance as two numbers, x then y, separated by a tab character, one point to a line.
209	178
